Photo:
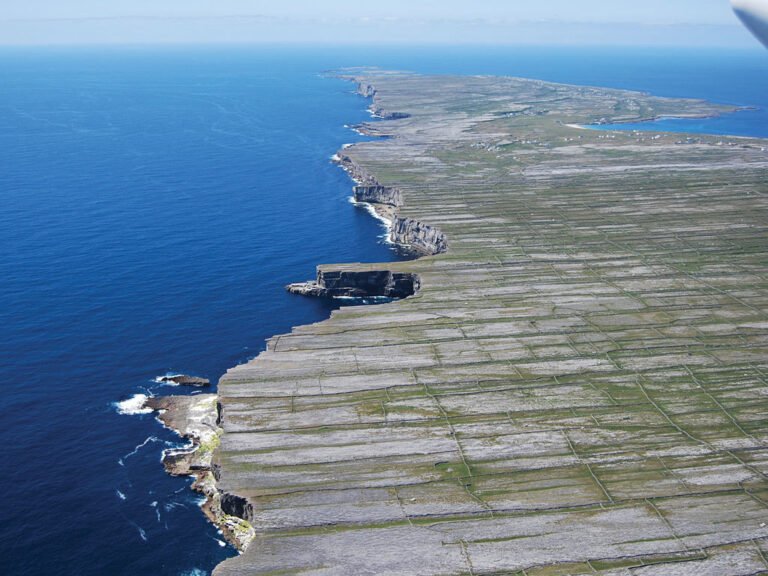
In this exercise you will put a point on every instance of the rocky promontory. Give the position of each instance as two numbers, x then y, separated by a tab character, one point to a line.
358	284
420	238
196	418
184	380
386	201
377	194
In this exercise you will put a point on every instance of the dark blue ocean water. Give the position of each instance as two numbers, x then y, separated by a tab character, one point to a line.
153	202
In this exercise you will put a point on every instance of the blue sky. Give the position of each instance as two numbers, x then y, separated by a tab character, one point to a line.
644	22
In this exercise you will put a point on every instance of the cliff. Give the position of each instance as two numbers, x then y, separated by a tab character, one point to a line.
378	111
377	194
358	284
579	385
420	238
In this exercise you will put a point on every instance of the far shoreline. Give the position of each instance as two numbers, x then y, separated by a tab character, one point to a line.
648	122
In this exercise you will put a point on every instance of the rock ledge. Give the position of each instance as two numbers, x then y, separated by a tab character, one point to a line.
358	284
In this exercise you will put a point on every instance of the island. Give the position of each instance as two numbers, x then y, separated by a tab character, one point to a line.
572	377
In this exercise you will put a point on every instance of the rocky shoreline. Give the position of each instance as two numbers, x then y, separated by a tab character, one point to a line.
577	387
197	418
385	201
417	237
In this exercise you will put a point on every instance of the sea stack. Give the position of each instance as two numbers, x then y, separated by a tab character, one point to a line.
184	380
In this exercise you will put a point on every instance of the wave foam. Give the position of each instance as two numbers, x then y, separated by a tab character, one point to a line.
142	532
133	405
159	379
137	448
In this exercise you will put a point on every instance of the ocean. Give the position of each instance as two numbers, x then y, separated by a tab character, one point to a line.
153	203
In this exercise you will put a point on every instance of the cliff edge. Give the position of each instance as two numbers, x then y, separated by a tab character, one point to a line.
579	383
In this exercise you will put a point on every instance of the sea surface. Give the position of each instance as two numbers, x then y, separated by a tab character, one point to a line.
153	203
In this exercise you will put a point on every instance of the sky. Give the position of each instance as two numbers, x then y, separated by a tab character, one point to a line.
577	22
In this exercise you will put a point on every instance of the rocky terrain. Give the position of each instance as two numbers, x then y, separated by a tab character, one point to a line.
196	418
414	236
358	284
184	380
580	384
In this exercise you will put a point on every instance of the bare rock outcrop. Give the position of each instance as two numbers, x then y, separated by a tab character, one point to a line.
419	237
377	194
184	380
358	284
196	418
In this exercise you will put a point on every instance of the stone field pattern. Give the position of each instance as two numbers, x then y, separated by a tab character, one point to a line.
579	387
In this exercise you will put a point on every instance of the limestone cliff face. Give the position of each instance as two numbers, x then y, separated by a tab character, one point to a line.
359	284
418	236
366	90
358	174
373	283
369	91
236	506
377	194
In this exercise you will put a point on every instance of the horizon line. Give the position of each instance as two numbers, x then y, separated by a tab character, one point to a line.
373	44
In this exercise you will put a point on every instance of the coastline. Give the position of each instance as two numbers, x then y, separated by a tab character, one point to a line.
348	438
651	119
463	411
384	204
198	418
233	196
